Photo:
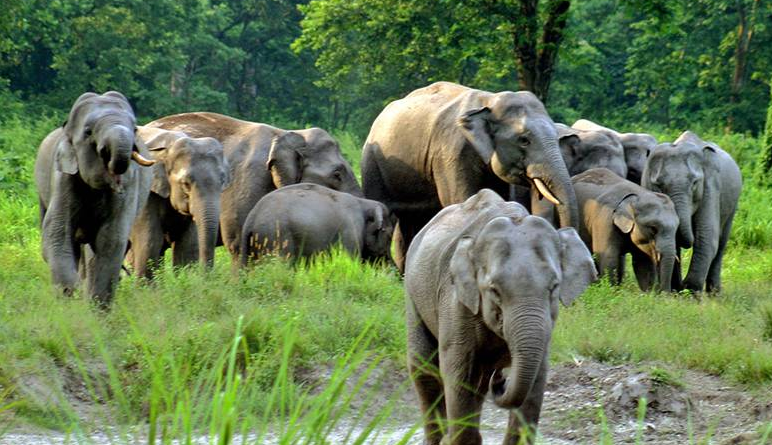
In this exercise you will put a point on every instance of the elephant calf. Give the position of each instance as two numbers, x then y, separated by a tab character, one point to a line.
303	219
618	217
183	208
483	281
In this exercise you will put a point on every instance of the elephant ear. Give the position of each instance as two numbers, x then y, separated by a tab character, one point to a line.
463	276
476	128
568	140
623	215
284	159
65	159
160	185
577	266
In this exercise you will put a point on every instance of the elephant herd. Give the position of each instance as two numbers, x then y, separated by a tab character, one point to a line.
464	186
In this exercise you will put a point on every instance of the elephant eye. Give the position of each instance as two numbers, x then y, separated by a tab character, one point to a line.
87	132
524	141
337	175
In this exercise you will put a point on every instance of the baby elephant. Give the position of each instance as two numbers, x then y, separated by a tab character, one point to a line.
483	281
303	219
617	216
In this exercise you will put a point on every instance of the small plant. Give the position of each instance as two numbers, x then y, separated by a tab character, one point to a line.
663	377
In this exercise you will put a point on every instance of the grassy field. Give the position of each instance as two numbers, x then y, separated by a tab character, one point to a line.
218	354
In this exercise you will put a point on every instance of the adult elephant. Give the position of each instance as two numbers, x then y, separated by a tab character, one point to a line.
183	208
484	280
441	144
90	189
618	217
263	158
704	183
637	147
583	150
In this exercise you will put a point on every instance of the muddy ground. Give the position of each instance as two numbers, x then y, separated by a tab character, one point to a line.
580	395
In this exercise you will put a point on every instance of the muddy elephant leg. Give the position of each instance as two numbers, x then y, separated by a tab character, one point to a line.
713	282
423	365
526	418
185	247
463	401
644	269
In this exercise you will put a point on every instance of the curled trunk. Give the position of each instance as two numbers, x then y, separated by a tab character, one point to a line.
120	142
527	345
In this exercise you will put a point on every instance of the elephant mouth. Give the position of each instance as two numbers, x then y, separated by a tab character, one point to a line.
544	191
116	182
498	383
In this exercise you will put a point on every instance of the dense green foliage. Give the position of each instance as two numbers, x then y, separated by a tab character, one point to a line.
702	65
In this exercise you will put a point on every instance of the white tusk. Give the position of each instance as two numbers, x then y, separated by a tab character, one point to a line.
545	191
141	160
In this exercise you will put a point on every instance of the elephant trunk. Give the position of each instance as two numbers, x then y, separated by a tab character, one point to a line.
665	266
553	174
351	185
527	345
120	143
684	210
206	217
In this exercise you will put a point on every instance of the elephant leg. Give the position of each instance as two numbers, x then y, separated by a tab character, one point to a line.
644	269
147	243
404	232
713	282
676	283
463	401
104	269
185	247
423	365
611	263
60	250
526	418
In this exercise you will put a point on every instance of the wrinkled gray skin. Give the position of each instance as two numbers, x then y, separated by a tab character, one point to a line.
263	158
183	208
583	150
704	183
483	280
637	147
443	143
618	217
90	189
304	219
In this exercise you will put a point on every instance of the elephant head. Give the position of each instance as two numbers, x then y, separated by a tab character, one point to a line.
651	222
514	135
310	156
686	171
192	173
378	230
99	141
586	149
512	274
637	148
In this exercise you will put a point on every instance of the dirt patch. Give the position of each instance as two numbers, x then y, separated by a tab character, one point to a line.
586	401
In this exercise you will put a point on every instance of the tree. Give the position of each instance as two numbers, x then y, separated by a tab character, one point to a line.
384	48
766	148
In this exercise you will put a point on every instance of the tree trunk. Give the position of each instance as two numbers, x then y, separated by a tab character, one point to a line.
745	29
536	55
767	140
